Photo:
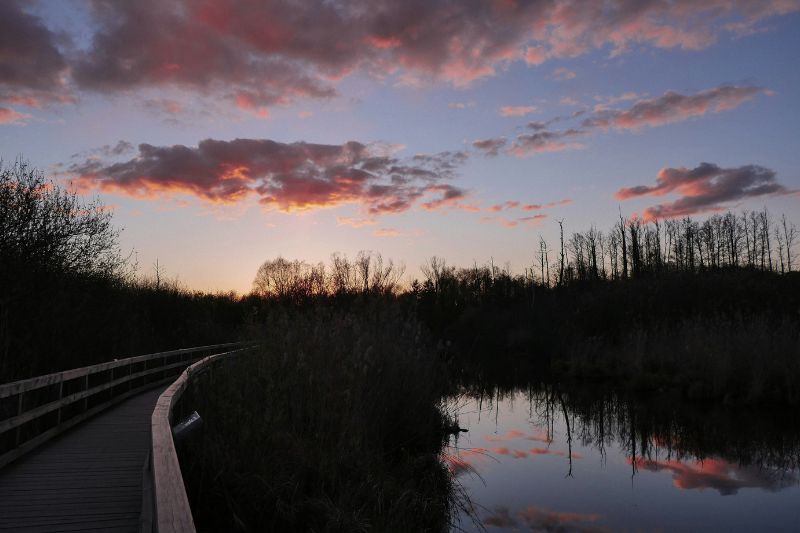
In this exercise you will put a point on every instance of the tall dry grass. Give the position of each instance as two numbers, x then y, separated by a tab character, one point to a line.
335	425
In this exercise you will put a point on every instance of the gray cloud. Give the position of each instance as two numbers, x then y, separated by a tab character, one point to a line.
673	107
490	147
704	188
286	176
546	141
265	53
653	112
31	64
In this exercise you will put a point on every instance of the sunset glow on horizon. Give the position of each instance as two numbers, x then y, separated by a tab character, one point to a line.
224	133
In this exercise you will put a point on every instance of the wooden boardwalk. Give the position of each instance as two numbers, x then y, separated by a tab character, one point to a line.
88	479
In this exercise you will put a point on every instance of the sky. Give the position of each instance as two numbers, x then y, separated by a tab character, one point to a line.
225	133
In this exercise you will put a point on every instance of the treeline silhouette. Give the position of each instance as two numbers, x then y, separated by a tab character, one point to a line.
724	333
633	247
69	297
298	281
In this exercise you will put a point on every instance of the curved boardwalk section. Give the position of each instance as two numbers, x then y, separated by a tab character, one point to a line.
89	479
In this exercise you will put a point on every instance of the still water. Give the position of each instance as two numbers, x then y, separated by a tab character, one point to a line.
545	460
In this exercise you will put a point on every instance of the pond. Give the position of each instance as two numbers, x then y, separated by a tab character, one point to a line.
545	459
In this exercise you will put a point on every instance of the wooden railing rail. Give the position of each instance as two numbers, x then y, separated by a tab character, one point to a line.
34	410
170	506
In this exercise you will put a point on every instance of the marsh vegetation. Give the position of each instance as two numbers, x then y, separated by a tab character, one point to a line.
335	424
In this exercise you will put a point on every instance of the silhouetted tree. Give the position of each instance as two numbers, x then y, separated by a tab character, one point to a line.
46	228
561	261
789	234
624	244
435	271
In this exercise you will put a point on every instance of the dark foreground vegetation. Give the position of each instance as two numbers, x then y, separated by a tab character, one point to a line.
334	425
338	423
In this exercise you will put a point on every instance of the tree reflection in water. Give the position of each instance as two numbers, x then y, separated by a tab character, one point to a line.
702	447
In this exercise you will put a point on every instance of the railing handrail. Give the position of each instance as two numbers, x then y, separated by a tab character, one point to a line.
145	374
25	385
172	513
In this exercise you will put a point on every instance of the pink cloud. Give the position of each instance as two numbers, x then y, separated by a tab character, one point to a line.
720	475
490	147
535	55
538	207
286	176
505	437
665	109
355	222
472	452
546	451
466	459
563	74
517	111
505	222
705	188
510	204
10	116
673	107
277	52
545	141
449	196
164	105
534	220
250	102
624	97
387	232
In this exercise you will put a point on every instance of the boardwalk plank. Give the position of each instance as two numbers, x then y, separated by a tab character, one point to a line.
88	479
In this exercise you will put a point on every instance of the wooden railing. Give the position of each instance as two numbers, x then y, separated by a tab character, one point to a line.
169	510
35	410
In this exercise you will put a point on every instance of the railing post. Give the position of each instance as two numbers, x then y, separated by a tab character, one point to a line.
86	388
18	432
60	397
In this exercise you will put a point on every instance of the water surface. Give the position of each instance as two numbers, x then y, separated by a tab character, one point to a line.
544	460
